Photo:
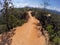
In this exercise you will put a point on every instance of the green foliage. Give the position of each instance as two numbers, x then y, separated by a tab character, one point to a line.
51	24
49	28
56	40
2	28
13	21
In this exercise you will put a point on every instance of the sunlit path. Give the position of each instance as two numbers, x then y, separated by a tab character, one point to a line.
29	33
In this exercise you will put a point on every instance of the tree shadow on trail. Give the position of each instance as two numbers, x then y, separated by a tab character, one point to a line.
6	38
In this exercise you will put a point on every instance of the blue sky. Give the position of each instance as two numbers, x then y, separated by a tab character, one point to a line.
54	4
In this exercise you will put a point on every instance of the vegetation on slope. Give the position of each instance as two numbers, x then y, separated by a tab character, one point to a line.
50	23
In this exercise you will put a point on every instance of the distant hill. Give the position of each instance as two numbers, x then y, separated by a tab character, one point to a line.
53	11
42	9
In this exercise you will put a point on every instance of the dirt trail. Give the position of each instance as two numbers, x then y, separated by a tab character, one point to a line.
29	33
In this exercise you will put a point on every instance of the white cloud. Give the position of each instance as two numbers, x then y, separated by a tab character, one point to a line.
28	4
19	5
1	7
36	5
53	8
58	9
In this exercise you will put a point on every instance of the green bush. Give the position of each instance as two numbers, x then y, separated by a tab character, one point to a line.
56	40
13	21
2	28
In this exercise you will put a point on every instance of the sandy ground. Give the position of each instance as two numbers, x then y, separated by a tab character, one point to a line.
29	33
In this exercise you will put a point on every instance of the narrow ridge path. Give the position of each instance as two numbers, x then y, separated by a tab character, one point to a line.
29	34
